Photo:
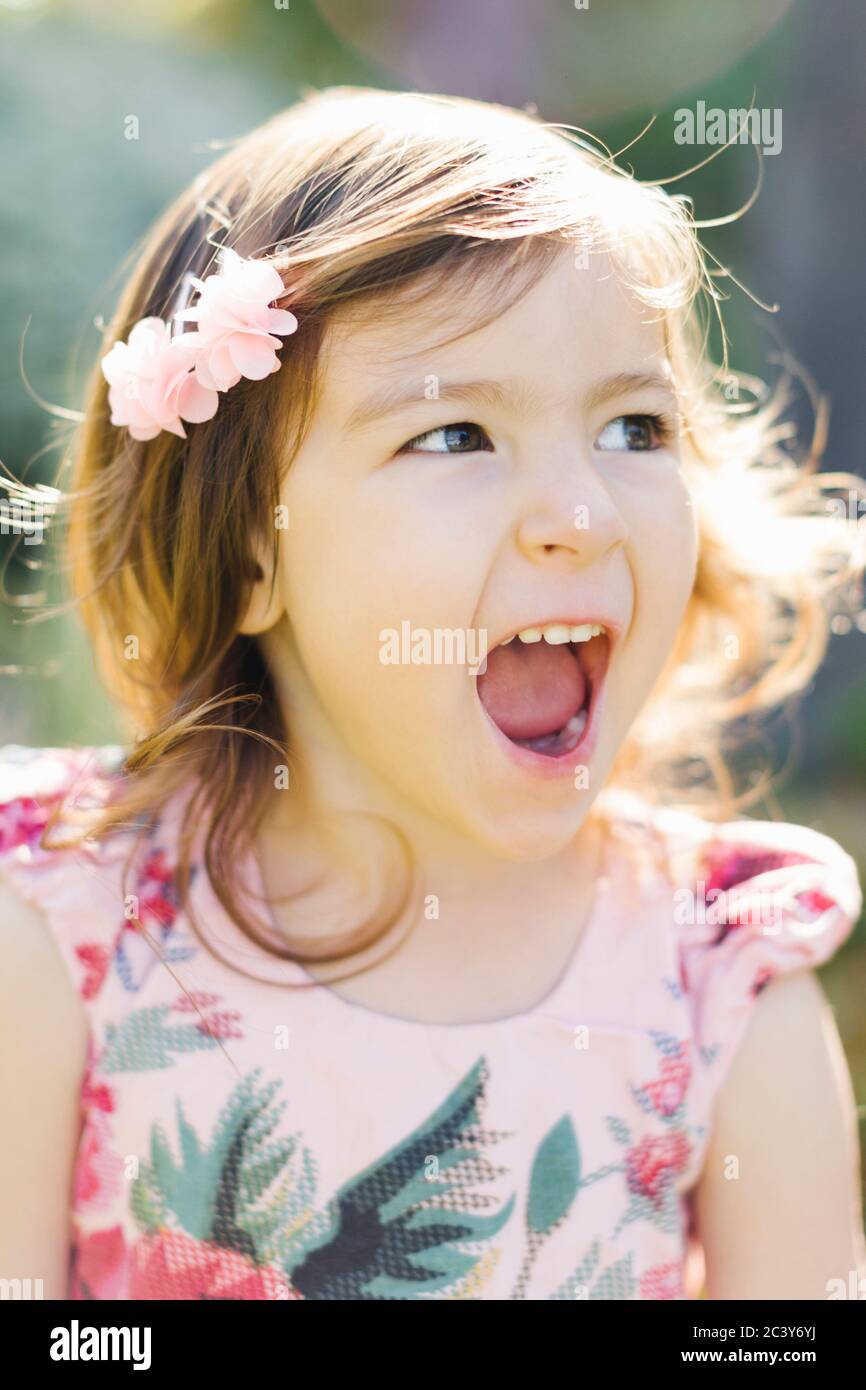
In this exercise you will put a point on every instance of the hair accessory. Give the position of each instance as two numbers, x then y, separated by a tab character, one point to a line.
157	380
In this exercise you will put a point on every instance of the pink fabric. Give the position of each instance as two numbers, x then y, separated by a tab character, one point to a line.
247	1140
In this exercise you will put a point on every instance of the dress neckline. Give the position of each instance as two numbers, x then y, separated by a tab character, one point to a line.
256	962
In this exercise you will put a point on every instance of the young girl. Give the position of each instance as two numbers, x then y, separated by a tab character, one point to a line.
417	948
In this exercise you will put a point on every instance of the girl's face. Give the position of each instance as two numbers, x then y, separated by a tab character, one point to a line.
524	476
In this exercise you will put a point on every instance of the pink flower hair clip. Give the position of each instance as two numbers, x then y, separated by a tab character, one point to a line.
157	380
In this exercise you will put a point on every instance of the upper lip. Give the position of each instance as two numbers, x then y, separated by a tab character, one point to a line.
612	626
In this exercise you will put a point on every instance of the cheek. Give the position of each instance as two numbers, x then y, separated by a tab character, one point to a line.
360	563
665	542
663	551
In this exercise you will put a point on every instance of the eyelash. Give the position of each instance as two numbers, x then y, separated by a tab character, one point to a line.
664	429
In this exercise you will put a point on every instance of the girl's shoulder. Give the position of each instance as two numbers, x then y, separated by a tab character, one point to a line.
744	901
794	868
29	774
48	861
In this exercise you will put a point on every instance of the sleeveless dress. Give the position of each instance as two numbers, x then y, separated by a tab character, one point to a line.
244	1140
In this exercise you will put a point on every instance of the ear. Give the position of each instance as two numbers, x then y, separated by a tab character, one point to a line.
265	605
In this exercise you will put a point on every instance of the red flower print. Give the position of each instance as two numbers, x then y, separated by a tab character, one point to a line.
725	865
223	1024
666	1095
172	1264
160	907
98	1096
157	905
23	820
101	1267
157	888
762	979
654	1162
155	868
96	960
662	1281
98	1170
196	999
815	903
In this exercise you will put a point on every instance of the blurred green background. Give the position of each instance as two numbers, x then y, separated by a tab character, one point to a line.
78	195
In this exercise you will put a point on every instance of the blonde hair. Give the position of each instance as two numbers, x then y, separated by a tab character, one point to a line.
354	194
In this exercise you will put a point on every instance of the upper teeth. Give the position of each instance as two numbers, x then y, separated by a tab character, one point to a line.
558	633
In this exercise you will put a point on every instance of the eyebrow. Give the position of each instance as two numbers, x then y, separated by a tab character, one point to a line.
500	393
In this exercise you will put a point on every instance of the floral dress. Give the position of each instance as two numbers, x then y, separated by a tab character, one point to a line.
243	1139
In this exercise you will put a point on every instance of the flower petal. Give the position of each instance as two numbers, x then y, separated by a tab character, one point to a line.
252	354
195	402
281	321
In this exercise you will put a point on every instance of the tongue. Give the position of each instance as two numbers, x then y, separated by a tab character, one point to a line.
531	689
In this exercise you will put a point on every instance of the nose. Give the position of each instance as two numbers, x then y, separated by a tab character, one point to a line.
570	514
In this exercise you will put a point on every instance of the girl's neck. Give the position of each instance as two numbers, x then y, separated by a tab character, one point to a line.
478	939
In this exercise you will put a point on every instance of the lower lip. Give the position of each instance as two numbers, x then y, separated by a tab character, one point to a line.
562	764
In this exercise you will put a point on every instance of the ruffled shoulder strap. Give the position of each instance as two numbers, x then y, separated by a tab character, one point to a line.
753	900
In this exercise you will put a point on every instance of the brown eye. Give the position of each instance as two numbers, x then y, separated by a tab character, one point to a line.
462	438
633	433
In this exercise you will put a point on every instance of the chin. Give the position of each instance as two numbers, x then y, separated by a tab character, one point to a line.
527	837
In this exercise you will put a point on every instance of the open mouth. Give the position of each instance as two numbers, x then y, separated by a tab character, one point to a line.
539	686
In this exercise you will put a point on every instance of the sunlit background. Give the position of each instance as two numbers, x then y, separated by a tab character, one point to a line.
77	195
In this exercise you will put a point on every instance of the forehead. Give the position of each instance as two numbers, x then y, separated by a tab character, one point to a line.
574	322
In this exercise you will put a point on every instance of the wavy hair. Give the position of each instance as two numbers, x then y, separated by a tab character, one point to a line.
353	196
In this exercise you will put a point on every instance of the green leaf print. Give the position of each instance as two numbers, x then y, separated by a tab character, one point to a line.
581	1276
148	1205
214	1191
143	1041
397	1230
617	1282
555	1178
619	1129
